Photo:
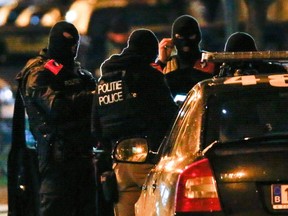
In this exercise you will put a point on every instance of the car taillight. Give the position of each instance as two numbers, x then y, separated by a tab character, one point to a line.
196	189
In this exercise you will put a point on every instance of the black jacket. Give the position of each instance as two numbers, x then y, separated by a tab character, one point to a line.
181	78
58	103
152	110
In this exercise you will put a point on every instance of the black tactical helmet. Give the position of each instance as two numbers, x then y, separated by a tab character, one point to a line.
143	41
240	42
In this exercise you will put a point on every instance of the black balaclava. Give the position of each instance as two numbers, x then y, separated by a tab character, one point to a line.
63	43
143	42
186	35
240	42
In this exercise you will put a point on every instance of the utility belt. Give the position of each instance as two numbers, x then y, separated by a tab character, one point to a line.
66	151
51	148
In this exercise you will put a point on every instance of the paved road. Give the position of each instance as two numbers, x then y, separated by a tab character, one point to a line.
3	210
3	201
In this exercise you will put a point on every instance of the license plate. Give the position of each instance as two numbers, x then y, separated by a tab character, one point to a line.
279	196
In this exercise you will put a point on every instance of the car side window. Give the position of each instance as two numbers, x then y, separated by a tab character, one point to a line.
186	131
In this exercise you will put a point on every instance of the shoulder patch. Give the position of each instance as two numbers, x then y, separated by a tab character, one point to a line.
157	67
53	66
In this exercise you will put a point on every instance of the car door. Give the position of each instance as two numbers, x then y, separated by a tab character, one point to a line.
181	147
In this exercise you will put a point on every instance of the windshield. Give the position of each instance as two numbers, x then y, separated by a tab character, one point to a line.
254	113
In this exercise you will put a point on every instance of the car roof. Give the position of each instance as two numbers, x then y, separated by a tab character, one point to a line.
238	83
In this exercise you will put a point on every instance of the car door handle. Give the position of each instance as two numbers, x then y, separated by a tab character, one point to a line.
154	186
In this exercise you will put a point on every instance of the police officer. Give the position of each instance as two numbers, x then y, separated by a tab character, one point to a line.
57	93
133	100
244	42
180	56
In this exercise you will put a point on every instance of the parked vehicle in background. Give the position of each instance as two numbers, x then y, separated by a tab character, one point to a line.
226	153
106	25
9	12
24	28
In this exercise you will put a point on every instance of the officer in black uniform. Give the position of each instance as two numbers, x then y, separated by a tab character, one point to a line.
244	42
133	100
180	56
58	94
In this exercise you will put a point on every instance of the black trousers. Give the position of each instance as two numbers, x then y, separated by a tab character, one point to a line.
68	188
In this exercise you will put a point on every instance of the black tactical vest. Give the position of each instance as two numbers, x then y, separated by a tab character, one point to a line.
120	110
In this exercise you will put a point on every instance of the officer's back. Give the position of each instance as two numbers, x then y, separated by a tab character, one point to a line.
132	100
133	97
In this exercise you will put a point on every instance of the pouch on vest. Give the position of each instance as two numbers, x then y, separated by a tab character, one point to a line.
109	186
119	109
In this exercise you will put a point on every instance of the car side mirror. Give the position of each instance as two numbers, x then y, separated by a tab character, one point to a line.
134	150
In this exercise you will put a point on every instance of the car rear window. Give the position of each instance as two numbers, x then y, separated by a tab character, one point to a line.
247	114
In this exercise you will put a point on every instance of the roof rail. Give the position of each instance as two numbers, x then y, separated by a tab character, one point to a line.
244	56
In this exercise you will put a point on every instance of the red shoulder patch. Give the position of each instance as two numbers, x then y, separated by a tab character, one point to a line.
206	67
53	66
156	66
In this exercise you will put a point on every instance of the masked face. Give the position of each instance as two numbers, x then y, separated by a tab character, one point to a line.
187	46
186	37
63	43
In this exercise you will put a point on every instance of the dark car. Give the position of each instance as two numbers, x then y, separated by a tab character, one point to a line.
24	28
226	153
